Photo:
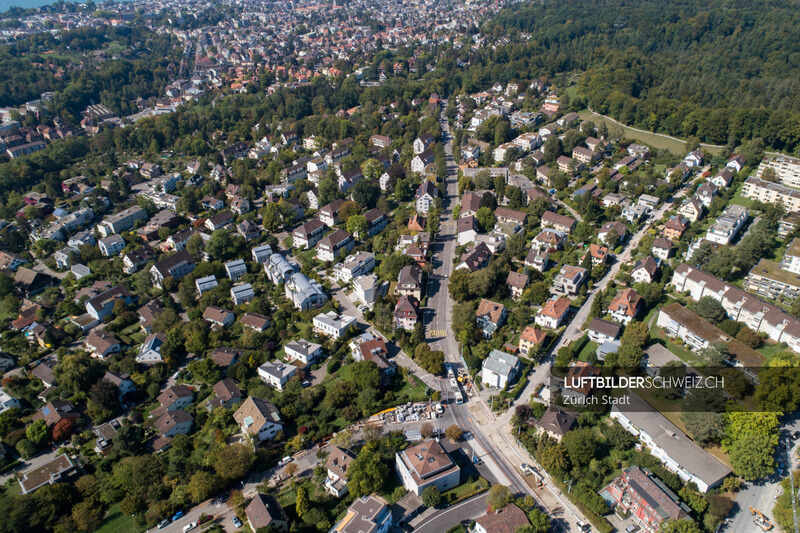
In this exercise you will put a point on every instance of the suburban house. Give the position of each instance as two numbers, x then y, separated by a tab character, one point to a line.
218	316
367	514
555	422
427	464
175	397
255	321
499	369
602	331
150	351
174	423
537	260
508	519
205	284
678	453
329	214
338	461
335	243
235	269
625	306
553	313
303	351
101	306
303	292
176	266
406	312
307	235
564	224
225	394
258	418
265	512
529	339
333	325
276	374
692	209
409	282
644	270
645	497
569	280
111	245
475	257
549	239
425	196
101	344
675	227
242	293
516	283
61	468
612	230
662	248
490	316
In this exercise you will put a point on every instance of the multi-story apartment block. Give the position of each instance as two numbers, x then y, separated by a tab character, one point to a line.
122	221
727	226
771	193
787	169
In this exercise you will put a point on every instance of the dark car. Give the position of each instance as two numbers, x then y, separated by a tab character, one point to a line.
796	434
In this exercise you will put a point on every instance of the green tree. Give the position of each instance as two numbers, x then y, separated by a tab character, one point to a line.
302	504
202	485
358	225
751	458
710	309
485	219
581	445
431	497
234	462
499	496
271	217
368	472
38	433
87	515
453	433
366	193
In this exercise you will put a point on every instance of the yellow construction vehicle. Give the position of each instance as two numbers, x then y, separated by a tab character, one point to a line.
760	519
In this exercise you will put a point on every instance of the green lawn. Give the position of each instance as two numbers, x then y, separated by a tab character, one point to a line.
738	199
657	141
117	522
588	351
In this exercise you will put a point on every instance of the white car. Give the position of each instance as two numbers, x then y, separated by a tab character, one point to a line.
285	461
189	527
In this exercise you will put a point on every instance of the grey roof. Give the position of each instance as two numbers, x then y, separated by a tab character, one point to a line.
500	363
604	327
672	440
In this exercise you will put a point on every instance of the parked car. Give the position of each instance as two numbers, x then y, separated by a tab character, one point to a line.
189	527
632	528
164	523
236	521
177	515
285	461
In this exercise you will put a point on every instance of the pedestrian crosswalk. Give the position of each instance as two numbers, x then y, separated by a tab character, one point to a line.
435	333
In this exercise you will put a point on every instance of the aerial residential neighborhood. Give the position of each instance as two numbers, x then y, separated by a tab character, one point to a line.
355	267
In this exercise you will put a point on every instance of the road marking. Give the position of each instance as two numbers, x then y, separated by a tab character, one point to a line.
436	333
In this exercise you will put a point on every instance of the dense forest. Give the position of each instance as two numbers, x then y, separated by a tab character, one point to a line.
721	70
29	71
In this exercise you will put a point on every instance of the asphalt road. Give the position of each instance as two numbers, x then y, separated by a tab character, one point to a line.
452	516
762	494
438	314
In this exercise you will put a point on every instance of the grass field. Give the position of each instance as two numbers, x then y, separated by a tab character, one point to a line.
117	522
656	140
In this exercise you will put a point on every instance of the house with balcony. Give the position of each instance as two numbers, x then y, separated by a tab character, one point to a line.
490	316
